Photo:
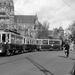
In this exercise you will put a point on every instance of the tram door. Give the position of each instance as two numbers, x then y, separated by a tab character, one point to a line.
4	38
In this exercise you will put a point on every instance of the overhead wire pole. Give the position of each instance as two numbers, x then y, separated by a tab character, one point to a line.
18	14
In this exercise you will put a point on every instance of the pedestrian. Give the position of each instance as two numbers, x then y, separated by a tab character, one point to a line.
67	49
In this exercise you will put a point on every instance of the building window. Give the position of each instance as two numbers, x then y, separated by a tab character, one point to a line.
2	13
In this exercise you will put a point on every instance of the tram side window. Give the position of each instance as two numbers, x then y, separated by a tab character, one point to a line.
7	37
3	38
12	38
27	41
19	40
30	42
57	42
37	41
51	42
54	42
24	40
45	42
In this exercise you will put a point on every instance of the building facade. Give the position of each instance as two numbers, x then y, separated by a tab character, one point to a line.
57	33
6	12
24	24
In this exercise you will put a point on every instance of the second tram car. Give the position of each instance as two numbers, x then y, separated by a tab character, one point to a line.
55	44
49	44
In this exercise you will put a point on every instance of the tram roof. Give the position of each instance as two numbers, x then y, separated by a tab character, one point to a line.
9	32
48	39
4	31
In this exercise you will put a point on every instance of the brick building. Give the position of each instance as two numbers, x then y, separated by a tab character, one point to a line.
24	24
6	12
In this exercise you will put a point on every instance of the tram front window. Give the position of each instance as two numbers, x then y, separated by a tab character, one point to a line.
3	37
45	42
0	37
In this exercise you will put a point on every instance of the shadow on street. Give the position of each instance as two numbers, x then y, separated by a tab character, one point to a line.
62	56
65	57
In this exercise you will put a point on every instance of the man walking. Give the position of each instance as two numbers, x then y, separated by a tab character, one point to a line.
67	48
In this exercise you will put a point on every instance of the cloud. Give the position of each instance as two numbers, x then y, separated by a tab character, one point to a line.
34	6
56	12
64	24
63	17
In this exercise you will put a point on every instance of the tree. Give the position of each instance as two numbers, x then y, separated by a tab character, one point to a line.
55	33
46	24
71	28
43	31
61	33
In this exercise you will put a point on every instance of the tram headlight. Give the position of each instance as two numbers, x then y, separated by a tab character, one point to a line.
51	45
0	51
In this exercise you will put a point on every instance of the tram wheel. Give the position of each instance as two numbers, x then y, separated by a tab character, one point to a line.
8	53
24	51
11	53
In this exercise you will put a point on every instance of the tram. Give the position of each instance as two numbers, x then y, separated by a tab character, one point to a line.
49	44
10	43
14	43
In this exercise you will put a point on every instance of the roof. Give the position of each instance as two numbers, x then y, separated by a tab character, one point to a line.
39	25
50	32
6	0
25	19
55	33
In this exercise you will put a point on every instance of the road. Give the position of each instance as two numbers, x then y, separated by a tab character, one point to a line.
37	63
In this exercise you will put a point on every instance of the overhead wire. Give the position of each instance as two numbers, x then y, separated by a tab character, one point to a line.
68	4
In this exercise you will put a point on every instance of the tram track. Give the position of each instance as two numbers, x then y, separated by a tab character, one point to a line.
41	68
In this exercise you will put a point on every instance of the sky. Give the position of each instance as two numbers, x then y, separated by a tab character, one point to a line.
56	12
